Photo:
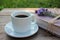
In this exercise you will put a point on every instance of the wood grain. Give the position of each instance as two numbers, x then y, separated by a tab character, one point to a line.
5	18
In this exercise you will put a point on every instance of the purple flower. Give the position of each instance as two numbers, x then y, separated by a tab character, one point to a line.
37	12
41	11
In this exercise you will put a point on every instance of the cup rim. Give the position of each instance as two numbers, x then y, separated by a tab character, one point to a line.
21	11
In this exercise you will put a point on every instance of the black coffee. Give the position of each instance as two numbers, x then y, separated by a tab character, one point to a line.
21	16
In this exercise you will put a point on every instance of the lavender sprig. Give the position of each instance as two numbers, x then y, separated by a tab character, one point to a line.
45	12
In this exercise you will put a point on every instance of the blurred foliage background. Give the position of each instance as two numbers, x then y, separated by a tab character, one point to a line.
29	4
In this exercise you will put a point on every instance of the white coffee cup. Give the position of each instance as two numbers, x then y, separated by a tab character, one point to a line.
22	24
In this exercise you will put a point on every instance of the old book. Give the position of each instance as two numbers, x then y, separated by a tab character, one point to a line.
43	22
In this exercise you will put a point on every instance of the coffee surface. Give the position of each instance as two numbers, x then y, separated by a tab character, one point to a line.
21	16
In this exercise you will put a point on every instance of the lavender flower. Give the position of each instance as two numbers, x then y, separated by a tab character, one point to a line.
45	12
40	12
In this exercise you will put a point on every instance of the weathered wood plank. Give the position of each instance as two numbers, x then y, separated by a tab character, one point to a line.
41	35
8	11
5	18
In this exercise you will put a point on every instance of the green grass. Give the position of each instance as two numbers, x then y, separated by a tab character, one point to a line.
29	3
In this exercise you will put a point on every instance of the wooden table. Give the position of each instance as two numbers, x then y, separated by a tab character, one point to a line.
5	18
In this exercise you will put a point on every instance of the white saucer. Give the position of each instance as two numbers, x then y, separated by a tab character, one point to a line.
9	31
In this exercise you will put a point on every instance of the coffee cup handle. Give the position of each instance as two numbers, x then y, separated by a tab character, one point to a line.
33	19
